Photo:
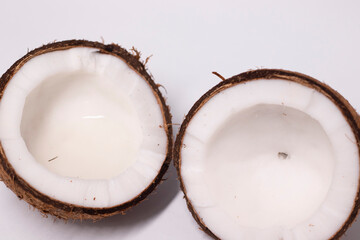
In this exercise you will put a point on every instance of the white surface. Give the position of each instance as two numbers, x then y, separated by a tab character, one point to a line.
188	41
235	179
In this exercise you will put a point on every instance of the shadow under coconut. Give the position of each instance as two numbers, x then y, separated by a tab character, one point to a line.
155	203
354	231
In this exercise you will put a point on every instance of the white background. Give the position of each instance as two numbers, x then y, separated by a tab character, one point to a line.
188	40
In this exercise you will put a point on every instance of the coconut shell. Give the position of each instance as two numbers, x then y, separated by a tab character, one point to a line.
344	106
48	205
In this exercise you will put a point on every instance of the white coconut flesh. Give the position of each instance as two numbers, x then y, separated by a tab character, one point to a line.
270	159
83	128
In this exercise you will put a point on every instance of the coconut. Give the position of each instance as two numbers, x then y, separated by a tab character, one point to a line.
270	154
84	131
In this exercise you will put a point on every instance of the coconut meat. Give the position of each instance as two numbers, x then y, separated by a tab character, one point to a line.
82	127
270	159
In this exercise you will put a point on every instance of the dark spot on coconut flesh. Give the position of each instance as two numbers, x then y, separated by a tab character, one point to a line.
52	159
283	155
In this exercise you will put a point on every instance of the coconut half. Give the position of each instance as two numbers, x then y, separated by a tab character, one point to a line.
85	132
271	154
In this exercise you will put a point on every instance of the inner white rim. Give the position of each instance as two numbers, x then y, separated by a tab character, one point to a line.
120	101
236	185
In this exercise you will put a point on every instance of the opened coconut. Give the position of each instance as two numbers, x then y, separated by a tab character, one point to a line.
85	132
271	154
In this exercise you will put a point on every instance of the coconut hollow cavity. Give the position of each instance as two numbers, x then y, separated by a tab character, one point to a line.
85	132
270	154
